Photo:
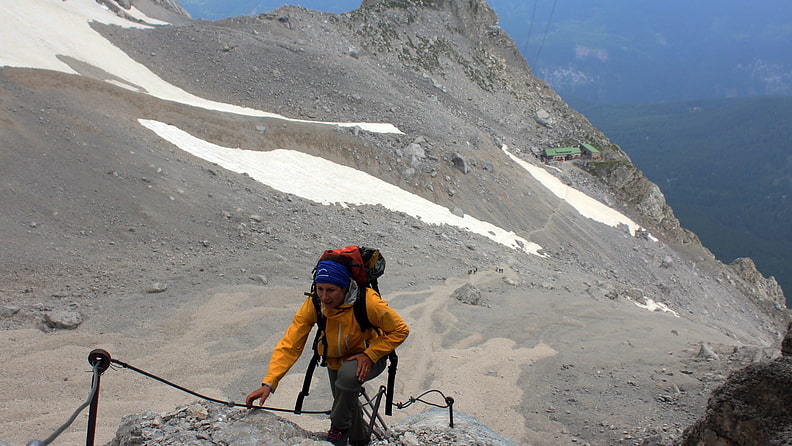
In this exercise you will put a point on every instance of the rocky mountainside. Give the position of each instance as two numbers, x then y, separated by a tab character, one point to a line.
450	79
114	235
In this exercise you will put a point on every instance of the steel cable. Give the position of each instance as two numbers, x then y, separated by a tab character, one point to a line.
547	28
448	400
98	369
58	431
207	398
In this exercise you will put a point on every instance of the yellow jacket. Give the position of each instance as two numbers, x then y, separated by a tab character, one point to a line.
344	338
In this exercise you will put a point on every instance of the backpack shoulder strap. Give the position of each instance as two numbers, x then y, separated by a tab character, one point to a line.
321	323
359	308
316	358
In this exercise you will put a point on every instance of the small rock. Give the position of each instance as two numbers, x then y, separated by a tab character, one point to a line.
64	320
410	439
157	287
415	150
260	279
197	411
408	173
706	352
9	310
460	163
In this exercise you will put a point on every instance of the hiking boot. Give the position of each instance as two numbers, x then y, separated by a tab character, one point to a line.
359	443
337	436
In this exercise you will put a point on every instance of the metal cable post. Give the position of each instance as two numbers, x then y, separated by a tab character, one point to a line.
450	402
100	360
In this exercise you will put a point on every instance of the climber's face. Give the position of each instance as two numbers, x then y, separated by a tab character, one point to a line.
330	295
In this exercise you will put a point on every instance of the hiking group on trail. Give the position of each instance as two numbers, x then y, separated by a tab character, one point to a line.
358	331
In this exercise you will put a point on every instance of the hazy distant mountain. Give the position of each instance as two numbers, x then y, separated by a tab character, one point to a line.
619	51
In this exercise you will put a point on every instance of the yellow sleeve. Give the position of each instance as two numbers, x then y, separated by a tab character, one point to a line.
290	347
394	329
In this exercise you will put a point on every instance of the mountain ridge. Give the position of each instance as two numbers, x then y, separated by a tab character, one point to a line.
615	52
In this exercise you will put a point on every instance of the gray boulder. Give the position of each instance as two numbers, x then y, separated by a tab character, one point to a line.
460	163
468	294
62	319
205	423
786	345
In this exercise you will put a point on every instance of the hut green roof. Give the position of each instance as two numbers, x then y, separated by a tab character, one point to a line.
590	148
562	151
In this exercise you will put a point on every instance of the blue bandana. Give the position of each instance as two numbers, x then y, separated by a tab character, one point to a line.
333	273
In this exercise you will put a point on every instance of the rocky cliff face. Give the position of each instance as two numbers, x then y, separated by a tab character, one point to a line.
751	408
170	11
172	5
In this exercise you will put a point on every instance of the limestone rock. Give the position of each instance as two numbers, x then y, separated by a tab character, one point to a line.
61	319
460	163
750	409
544	118
207	423
706	353
468	294
766	288
157	287
786	346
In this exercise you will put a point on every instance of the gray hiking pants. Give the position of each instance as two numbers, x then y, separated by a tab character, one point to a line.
346	412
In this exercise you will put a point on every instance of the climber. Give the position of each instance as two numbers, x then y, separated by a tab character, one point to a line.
353	355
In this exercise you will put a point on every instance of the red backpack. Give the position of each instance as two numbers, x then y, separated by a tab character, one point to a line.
365	265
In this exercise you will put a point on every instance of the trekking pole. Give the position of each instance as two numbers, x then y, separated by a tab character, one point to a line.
367	409
100	360
375	410
394	364
306	384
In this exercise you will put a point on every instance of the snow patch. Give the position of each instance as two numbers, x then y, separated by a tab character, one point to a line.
326	182
35	32
585	205
656	306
